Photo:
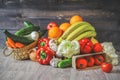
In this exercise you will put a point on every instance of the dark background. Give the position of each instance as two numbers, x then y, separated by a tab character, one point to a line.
104	15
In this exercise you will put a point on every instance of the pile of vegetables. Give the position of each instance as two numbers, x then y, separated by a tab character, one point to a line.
23	36
64	41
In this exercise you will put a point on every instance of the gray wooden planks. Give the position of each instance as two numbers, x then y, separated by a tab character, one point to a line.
63	4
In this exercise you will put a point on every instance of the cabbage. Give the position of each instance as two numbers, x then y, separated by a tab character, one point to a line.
69	48
109	49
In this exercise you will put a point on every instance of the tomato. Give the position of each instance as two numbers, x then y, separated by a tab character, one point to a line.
97	47
81	63
90	61
107	67
52	24
85	45
99	59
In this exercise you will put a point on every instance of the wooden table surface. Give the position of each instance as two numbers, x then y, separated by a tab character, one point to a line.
11	69
103	15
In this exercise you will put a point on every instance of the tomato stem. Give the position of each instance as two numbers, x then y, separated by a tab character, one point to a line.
81	65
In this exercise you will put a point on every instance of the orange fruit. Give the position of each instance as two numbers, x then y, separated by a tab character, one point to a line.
54	32
75	18
64	26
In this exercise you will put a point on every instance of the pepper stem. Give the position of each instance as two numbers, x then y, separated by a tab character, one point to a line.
43	55
42	44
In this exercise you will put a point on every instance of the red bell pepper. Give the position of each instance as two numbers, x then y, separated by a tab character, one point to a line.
43	42
44	55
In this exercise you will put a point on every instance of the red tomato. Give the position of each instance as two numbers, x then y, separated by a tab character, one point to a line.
81	63
97	47
52	24
85	45
107	67
99	59
90	61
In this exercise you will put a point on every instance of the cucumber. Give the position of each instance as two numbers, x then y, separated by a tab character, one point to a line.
15	38
65	63
28	24
26	30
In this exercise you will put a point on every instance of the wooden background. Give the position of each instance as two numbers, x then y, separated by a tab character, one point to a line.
104	15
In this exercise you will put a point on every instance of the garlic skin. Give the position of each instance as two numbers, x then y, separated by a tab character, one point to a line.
53	44
59	54
54	62
109	49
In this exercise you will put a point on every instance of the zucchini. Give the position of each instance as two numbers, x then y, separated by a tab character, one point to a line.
15	38
26	30
28	24
65	63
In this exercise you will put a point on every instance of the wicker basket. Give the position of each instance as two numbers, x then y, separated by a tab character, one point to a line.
19	54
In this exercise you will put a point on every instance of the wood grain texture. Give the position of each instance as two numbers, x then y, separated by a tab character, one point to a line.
11	69
103	15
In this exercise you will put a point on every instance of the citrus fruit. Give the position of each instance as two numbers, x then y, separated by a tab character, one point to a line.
75	18
64	26
54	32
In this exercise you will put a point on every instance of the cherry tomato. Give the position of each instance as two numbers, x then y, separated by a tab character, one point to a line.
97	47
99	59
81	63
90	61
85	45
107	67
52	24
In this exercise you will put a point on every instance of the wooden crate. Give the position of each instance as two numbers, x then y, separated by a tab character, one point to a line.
80	56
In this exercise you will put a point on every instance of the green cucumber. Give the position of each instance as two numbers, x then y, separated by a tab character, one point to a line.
28	24
65	63
26	30
15	38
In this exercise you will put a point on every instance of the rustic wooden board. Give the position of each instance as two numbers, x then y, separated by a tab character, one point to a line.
97	23
60	4
103	16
